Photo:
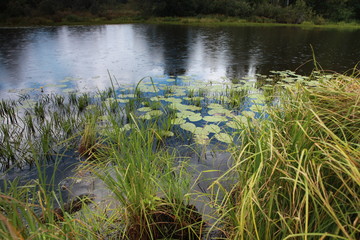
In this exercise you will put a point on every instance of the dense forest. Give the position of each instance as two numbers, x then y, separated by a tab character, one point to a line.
282	11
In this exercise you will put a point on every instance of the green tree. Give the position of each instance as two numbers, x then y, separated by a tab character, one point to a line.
337	10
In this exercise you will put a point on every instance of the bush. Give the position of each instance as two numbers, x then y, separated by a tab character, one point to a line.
318	20
48	7
17	9
73	18
296	13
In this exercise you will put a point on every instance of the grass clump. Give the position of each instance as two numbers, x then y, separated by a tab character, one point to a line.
293	170
299	169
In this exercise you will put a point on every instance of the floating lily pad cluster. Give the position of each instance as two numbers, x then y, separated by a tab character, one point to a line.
182	107
288	78
201	108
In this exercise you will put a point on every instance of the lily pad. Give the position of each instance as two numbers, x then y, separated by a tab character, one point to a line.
219	111
173	100
126	127
234	125
178	121
185	114
215	119
215	105
166	133
212	128
200	131
121	100
193	107
195	117
241	119
224	137
201	139
144	109
188	127
130	95
151	114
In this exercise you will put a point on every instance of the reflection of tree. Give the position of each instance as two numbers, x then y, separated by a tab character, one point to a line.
12	43
173	42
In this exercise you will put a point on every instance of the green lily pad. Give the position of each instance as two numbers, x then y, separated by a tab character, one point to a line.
241	119
193	107
215	119
185	114
156	98
173	100
212	128
219	112
156	113
178	121
126	127
200	131
144	109
130	95
234	125
201	139
188	127
121	100
166	133
224	137
151	114
195	117
215	105
148	88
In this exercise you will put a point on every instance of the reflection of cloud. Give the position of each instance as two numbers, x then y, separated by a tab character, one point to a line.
129	52
207	63
253	62
87	52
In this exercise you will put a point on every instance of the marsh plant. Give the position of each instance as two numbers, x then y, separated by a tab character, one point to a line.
293	170
298	170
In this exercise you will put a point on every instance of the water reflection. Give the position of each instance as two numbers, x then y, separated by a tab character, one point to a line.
31	57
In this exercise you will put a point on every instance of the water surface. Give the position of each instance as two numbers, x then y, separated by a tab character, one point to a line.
34	57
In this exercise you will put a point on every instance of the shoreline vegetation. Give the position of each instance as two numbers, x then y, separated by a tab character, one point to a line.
303	13
215	21
293	170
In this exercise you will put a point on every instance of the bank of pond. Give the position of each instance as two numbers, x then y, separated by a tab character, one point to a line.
177	158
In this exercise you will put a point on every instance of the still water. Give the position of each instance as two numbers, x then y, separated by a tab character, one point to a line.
40	56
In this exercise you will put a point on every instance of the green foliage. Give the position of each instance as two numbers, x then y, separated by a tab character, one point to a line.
283	11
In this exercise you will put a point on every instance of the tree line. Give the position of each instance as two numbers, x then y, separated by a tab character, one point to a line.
283	11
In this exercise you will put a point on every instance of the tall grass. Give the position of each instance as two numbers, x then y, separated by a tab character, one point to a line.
298	171
295	168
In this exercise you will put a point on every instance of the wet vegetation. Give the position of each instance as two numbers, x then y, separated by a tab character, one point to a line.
287	147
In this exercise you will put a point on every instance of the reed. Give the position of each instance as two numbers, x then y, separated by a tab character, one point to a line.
294	171
298	174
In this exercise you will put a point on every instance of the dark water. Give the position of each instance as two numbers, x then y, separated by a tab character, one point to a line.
34	57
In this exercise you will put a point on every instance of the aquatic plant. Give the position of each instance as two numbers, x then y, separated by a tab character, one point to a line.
297	173
293	170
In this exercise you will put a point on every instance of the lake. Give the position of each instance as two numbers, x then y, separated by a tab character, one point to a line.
44	56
